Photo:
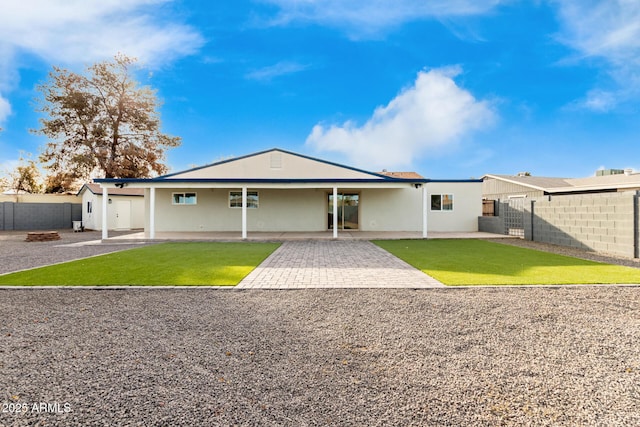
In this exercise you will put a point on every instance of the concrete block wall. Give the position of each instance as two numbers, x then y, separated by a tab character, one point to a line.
605	222
6	216
491	224
39	216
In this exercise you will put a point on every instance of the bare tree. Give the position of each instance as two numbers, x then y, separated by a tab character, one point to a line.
61	182
4	184
26	177
103	123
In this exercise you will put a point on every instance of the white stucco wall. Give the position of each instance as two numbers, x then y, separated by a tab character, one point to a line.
93	220
467	206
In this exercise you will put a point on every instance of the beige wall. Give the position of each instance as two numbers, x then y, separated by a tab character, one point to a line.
393	209
40	198
274	165
279	210
401	209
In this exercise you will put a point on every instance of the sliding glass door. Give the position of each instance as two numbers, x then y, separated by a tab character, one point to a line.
348	205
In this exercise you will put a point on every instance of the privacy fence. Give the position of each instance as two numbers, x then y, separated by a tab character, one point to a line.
39	216
603	222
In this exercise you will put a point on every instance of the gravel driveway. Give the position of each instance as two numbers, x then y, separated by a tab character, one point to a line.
483	356
16	254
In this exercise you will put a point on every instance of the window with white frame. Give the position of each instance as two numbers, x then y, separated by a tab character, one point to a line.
89	207
235	199
442	202
184	199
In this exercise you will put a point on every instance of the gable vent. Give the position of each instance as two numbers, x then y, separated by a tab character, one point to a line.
276	160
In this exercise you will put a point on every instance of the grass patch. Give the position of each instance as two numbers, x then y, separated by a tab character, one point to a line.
478	262
193	263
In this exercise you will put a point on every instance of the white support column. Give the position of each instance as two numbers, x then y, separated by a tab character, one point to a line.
105	201
244	212
425	210
152	213
335	212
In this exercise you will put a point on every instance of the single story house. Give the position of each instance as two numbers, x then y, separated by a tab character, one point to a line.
125	212
279	191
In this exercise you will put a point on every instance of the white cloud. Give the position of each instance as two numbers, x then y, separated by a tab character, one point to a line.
81	31
604	28
5	109
368	17
432	114
280	69
607	31
599	100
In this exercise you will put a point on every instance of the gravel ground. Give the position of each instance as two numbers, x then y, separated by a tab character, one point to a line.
16	254
508	356
481	356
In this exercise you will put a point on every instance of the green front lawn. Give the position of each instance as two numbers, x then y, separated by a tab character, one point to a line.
478	262
193	263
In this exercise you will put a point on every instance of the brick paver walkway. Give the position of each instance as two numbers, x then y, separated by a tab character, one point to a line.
335	264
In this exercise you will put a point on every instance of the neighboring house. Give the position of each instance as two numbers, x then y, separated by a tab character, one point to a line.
598	213
277	190
126	208
502	187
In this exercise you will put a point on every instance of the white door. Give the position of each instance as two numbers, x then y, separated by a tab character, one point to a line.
123	215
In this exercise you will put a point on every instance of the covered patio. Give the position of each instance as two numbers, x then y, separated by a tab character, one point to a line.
245	209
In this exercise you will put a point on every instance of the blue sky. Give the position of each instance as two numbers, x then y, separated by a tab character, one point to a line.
447	88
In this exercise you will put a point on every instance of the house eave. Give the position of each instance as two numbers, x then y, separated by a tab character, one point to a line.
513	181
261	183
273	183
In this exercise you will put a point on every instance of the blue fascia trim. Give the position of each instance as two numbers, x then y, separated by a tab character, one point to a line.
281	181
253	180
282	151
